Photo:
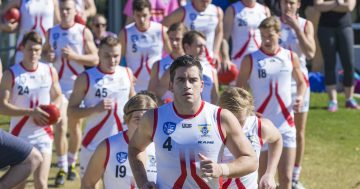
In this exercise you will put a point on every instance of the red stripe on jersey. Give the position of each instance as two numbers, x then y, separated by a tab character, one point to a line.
147	64
92	132
284	110
242	50
239	184
126	138
259	132
227	183
189	116
61	71
267	100
49	131
21	124
36	21
181	179
137	72
306	24
132	186
219	125
199	181
41	26
155	123
306	80
107	153
117	119
208	57
256	43
72	69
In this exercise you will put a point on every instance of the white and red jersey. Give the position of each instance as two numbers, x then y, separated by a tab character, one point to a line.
68	70
208	77
31	88
178	140
164	64
143	49
252	130
115	86
270	82
118	172
205	22
245	34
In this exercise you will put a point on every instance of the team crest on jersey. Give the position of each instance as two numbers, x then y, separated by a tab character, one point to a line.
169	127
22	79
204	129
251	138
121	157
261	63
134	38
56	36
152	160
193	16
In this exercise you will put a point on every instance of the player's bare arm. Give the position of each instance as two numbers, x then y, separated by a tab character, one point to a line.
244	73
132	78
79	92
215	89
122	37
166	41
272	137
245	160
8	109
90	8
95	168
154	78
345	6
90	58
174	17
56	12
219	34
48	52
300	82
55	91
137	148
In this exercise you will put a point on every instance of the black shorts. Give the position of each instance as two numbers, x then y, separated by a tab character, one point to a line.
13	150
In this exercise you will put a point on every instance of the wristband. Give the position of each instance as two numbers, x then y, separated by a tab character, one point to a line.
225	169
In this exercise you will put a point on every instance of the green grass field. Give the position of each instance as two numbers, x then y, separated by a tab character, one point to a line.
332	155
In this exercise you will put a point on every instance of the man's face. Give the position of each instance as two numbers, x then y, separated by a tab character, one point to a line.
289	7
142	18
196	48
67	11
270	38
109	57
187	85
99	26
175	40
201	4
32	52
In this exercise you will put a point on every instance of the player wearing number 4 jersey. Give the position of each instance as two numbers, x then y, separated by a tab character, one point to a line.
110	160
24	87
189	136
104	89
269	72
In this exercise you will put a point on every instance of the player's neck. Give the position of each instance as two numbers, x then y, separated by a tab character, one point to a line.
248	3
272	50
143	28
188	108
67	25
29	66
175	54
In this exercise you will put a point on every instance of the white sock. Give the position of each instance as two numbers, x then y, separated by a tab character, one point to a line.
72	158
296	173
62	162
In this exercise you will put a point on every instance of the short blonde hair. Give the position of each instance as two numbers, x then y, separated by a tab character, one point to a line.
271	22
237	100
138	102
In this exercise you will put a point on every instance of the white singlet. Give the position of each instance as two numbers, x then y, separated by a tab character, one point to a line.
178	141
143	49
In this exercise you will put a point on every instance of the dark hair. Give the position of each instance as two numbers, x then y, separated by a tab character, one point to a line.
140	5
189	37
178	26
97	16
110	41
150	94
185	61
31	36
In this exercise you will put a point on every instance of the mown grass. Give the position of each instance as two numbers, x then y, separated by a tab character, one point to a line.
332	155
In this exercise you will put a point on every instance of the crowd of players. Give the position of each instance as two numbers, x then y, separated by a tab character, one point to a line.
158	122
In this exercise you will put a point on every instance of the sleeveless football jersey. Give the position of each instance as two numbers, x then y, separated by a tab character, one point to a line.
68	70
118	172
179	139
115	86
252	130
36	15
31	88
143	49
164	64
245	34
270	82
205	22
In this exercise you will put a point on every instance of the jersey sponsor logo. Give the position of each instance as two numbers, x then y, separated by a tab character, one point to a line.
152	160
134	38
121	157
204	129
186	125
169	127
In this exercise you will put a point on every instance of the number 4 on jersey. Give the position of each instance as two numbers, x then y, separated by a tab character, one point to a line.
167	144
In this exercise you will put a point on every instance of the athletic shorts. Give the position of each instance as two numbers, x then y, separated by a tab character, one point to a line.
289	140
13	150
85	156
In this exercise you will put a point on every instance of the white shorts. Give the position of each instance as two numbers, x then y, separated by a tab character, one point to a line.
44	147
85	156
289	140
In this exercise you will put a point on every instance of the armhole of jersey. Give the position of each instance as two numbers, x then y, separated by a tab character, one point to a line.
107	152
13	78
128	73
183	18
155	123
292	58
51	74
251	64
83	36
218	116
233	8
125	36
158	69
87	82
259	132
218	11
305	26
162	34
